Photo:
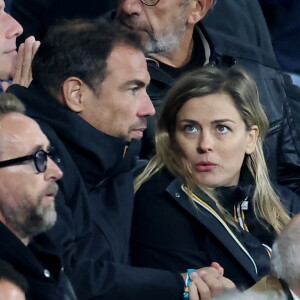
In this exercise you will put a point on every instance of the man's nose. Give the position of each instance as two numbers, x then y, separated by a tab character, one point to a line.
130	7
53	171
146	108
13	28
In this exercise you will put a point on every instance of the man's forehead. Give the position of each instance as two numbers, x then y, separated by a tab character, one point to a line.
127	59
17	129
120	50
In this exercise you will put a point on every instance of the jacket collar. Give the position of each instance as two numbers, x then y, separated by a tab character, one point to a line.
29	259
209	216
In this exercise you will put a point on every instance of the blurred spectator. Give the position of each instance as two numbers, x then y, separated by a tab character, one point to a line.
12	63
285	262
251	295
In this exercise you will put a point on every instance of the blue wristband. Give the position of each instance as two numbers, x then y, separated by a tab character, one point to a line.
188	280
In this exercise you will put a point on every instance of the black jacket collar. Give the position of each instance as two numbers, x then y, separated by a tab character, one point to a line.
212	223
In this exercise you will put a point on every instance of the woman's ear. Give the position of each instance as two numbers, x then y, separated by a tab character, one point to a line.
252	139
199	10
72	94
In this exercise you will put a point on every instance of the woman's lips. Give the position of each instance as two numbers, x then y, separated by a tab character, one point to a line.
205	166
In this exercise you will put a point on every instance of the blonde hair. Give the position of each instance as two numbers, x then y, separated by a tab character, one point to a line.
242	89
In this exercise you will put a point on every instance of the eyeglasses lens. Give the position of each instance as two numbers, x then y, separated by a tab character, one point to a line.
40	161
150	2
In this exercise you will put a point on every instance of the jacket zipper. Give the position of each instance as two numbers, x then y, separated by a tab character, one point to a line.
196	199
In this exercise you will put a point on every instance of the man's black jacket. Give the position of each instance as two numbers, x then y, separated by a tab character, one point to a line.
42	270
95	206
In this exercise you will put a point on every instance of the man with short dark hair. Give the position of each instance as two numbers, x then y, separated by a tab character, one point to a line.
174	36
28	187
89	95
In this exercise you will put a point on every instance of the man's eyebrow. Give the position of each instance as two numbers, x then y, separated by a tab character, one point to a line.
40	147
136	82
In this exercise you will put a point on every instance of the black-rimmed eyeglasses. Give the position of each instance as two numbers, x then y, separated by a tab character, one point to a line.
150	2
39	158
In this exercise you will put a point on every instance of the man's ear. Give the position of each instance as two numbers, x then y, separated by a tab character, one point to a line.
199	10
73	94
252	139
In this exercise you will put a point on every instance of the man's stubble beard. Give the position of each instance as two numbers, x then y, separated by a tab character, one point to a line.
30	219
162	43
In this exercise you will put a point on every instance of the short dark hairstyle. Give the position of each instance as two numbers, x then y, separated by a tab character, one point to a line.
78	48
8	273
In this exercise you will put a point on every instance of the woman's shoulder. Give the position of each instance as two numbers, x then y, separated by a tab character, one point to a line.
160	179
155	186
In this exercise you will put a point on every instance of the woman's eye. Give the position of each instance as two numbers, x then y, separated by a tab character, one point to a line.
190	128
222	129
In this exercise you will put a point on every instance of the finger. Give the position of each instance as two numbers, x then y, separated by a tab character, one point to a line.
203	289
26	65
227	283
209	270
18	66
193	292
28	76
35	47
5	86
213	281
218	267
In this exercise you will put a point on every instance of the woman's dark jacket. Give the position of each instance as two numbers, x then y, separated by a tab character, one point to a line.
173	232
95	206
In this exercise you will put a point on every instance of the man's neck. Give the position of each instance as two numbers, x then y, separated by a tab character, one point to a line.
181	54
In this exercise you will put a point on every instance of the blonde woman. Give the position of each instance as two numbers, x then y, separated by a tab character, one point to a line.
206	195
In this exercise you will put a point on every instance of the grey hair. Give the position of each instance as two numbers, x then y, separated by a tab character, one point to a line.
285	260
10	103
251	295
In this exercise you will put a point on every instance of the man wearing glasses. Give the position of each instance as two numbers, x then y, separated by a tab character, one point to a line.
28	175
174	37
